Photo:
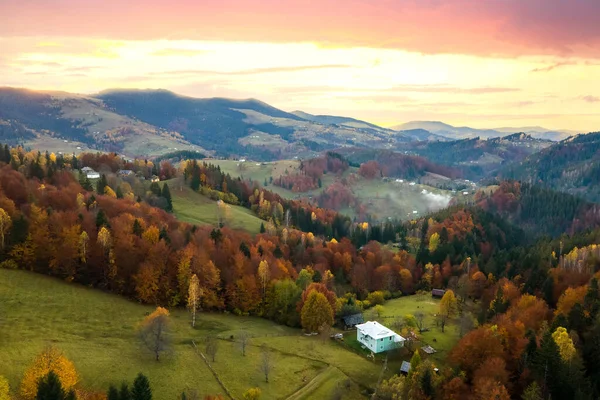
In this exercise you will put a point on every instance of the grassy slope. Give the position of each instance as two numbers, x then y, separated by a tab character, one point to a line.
383	199
97	332
200	210
429	306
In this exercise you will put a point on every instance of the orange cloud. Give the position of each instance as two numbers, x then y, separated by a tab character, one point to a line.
491	27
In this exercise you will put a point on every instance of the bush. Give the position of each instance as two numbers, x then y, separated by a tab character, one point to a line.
9	264
375	298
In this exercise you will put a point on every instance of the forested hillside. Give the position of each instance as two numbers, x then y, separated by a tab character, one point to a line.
572	165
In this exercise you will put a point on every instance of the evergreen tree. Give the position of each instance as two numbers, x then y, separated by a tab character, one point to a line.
119	193
166	193
262	227
74	162
427	383
137	228
101	219
141	388
50	388
101	184
113	393
155	189
124	392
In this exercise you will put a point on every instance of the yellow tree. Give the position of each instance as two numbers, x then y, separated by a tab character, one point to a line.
316	312
4	389
564	343
448	306
5	223
151	235
83	243
51	359
434	242
194	293
263	275
109	192
252	394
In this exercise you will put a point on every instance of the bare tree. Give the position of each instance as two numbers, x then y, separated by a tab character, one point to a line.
155	332
266	362
420	318
244	339
212	346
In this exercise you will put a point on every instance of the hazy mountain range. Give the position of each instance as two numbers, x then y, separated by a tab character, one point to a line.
151	122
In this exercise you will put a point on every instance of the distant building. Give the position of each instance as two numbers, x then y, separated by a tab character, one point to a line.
154	179
438	293
124	172
93	175
350	321
87	169
377	337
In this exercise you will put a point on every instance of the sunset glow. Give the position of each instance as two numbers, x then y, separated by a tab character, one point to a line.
483	64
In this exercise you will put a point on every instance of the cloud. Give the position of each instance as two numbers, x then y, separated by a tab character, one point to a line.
590	99
450	89
502	27
174	52
553	66
253	71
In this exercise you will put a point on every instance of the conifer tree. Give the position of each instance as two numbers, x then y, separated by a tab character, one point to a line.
166	193
49	388
141	388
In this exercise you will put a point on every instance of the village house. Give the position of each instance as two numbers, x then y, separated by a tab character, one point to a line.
90	173
350	321
377	337
439	293
124	172
154	179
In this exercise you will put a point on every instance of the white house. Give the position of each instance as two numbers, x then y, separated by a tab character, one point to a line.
377	337
93	175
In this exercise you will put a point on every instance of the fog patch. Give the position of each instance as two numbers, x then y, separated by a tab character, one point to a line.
436	201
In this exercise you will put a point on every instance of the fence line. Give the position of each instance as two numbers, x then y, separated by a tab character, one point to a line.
213	371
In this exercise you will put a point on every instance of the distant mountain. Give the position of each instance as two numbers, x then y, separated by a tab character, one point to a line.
413	134
465	132
153	122
477	158
572	166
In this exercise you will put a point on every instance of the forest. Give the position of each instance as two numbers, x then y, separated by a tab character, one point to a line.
537	298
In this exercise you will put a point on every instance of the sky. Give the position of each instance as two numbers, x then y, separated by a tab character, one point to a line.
480	63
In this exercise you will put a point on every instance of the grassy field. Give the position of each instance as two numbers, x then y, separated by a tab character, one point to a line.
192	207
442	342
97	331
382	198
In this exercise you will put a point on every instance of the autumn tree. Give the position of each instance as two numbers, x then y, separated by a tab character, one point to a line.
4	389
49	360
5	223
448	306
141	389
155	332
316	312
193	300
565	344
263	276
266	362
252	394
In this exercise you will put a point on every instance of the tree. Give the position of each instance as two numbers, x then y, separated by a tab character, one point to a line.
434	241
4	389
5	223
166	193
141	388
155	332
212	346
379	309
244	339
124	392
51	359
565	344
263	276
420	320
447	307
316	312
49	388
266	362
252	393
532	392
101	184
113	393
193	301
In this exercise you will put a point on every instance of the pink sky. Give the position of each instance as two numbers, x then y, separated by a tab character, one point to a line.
515	40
